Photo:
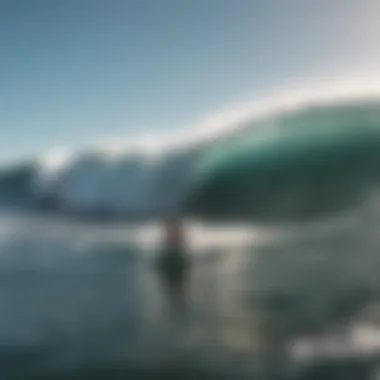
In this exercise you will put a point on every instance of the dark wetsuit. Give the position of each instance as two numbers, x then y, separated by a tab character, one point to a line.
173	266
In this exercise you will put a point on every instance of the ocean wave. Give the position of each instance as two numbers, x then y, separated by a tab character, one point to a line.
318	160
295	158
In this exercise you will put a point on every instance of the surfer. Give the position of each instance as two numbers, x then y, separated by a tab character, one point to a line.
173	266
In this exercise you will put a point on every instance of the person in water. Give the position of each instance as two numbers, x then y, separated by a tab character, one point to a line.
173	266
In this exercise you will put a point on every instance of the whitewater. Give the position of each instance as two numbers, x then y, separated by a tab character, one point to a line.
284	251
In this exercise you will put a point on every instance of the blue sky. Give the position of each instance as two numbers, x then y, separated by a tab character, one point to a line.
75	71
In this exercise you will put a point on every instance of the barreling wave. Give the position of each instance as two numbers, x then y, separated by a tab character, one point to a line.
316	161
303	156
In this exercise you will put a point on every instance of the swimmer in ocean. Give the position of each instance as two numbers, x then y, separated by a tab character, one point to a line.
173	267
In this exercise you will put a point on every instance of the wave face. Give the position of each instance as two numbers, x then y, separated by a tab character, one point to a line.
313	162
299	163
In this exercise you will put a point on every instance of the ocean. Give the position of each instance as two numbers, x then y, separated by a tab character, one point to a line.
283	242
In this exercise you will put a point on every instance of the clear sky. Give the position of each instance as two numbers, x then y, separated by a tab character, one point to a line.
76	71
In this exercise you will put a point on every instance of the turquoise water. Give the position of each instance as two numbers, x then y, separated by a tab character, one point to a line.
316	161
